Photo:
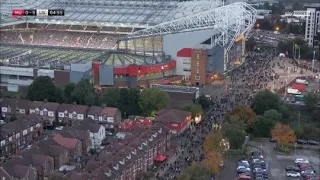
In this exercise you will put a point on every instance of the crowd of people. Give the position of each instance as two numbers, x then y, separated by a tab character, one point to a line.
60	38
254	75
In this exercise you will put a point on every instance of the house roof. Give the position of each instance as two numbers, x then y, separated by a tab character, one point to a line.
14	168
14	127
15	103
89	125
69	143
51	147
79	109
172	115
109	111
50	106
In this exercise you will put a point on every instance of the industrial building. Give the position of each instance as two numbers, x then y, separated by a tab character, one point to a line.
312	33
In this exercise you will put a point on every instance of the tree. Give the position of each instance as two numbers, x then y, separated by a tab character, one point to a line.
213	161
42	88
196	171
130	104
272	115
245	114
83	93
213	142
59	95
263	126
234	132
195	109
112	98
67	91
316	115
151	100
265	100
283	134
311	100
203	101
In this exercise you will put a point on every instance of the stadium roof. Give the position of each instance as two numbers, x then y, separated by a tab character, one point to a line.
127	13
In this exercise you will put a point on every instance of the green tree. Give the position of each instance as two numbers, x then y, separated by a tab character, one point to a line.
316	115
203	101
112	98
299	131
42	88
84	93
311	132
131	102
59	95
234	132
311	100
263	126
265	100
285	111
152	99
195	109
67	91
273	115
197	171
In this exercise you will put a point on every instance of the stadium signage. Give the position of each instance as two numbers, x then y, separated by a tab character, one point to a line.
298	13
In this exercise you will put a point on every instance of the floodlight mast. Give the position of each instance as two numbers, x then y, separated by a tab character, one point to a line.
231	21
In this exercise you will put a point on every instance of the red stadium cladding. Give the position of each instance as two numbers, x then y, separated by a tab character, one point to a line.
135	70
120	71
96	67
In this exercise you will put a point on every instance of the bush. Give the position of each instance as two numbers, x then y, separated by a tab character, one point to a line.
291	146
283	149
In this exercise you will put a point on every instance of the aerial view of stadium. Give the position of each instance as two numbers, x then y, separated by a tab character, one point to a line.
122	43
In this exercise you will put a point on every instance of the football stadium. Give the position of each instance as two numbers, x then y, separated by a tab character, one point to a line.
122	43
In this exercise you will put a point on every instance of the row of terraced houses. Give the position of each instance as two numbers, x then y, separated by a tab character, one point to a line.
28	152
53	112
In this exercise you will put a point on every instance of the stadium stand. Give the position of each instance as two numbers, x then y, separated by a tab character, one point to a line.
60	38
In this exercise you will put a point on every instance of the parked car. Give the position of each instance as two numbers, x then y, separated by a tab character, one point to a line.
300	141
314	143
256	155
299	160
292	168
243	167
307	173
293	174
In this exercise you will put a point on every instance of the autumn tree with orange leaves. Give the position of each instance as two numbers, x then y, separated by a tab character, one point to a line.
245	114
283	134
213	142
213	161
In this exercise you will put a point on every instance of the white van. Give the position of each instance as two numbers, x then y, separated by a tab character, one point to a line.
302	81
293	91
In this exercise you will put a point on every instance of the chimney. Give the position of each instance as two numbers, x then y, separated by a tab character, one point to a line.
75	103
45	100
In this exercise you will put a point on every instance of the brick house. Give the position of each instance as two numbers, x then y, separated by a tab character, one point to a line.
72	112
12	170
51	148
83	136
19	134
47	110
129	158
14	107
108	116
73	145
97	131
176	120
44	164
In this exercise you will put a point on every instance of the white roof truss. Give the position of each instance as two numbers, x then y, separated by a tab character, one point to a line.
231	21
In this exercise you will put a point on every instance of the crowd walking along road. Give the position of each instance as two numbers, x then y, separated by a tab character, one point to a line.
256	74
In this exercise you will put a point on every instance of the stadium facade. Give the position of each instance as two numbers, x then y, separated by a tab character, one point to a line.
148	42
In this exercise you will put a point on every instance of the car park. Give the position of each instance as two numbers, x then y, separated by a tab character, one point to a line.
243	170
293	174
243	167
256	155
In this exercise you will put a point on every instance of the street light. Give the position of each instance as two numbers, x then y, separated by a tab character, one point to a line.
277	28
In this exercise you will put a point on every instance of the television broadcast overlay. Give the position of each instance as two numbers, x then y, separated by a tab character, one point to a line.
119	43
38	12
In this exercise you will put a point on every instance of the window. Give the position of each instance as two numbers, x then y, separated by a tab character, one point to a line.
95	116
37	111
45	113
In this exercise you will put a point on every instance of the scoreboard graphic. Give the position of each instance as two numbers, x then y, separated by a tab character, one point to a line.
37	12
